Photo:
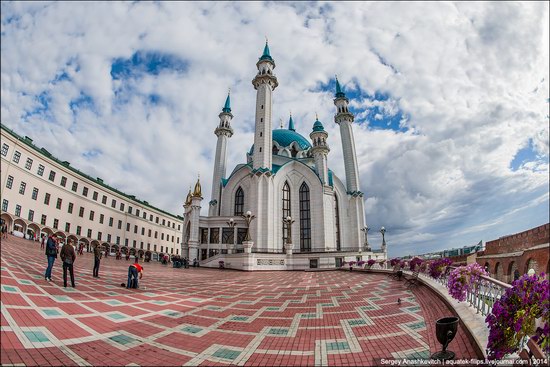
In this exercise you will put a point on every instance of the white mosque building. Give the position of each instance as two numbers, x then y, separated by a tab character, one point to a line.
299	214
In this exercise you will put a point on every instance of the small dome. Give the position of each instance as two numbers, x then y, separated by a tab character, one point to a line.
318	126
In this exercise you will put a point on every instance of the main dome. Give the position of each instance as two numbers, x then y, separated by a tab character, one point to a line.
285	138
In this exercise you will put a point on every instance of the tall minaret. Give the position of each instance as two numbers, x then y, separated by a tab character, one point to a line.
223	132
264	82
193	213
320	150
344	118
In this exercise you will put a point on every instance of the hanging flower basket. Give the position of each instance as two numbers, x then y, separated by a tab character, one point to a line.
464	279
436	268
414	263
360	263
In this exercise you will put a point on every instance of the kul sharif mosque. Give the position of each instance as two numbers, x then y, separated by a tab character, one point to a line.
284	209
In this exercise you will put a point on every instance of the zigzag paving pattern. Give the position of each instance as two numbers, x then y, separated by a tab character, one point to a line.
209	316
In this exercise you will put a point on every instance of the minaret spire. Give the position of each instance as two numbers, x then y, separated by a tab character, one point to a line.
264	82
223	132
320	149
291	123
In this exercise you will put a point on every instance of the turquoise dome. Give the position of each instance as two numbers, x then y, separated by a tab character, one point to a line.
318	126
285	137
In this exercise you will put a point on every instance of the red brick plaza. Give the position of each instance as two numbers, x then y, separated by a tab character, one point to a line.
210	316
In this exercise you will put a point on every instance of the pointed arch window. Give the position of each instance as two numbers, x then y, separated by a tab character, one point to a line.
293	151
286	209
239	201
275	150
305	219
337	223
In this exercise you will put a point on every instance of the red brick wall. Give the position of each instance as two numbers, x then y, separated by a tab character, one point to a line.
519	241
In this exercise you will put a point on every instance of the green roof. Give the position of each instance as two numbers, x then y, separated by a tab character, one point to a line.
291	124
266	55
318	126
227	107
285	137
28	141
339	92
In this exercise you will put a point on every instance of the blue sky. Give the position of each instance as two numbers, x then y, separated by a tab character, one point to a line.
451	103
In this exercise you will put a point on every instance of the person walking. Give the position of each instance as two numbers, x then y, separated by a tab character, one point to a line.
43	241
51	253
133	271
68	256
97	259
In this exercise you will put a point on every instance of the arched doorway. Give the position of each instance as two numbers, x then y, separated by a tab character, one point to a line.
35	230
147	255
62	238
73	238
84	242
19	227
513	272
140	253
132	251
7	219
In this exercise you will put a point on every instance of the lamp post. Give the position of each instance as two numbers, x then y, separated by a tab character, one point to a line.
288	245
366	231
248	217
383	231
231	223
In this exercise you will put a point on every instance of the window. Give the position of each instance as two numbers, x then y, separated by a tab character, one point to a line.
22	188
134	243
52	176
56	223
101	217
63	181
214	235
129	209
81	213
108	237
89	233
99	236
305	219
85	191
5	148
40	171
92	215
119	224
228	235
177	239
141	245
104	199
149	233
135	228
110	221
75	186
168	224
156	234
4	204
163	222
70	208
179	227
113	203
94	196
18	210
128	227
126	242
241	235
28	165
162	236
16	156
78	230
148	246
9	183
286	210
31	215
34	193
143	231
58	205
121	207
172	238
157	220
137	212
67	227
43	220
337	223
144	215
151	217
118	240
47	199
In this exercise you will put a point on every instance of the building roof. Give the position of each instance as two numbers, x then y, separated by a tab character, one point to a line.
227	107
285	137
266	55
318	126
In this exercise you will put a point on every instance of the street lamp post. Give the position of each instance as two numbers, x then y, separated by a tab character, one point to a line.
366	231
288	245
383	231
248	217
231	223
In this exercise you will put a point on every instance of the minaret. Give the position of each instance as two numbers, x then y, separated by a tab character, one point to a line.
193	211
344	118
223	132
320	150
264	82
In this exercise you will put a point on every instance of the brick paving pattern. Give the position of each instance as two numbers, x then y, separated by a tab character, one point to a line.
209	316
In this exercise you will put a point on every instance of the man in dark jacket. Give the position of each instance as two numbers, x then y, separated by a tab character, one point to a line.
97	259
51	253
68	255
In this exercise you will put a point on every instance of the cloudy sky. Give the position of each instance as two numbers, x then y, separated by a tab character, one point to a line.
451	100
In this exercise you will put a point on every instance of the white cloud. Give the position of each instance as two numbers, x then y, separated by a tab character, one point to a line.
473	91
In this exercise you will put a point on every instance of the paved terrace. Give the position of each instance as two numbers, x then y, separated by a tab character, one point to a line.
210	316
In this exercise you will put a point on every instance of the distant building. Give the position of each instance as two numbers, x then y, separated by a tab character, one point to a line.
43	195
509	257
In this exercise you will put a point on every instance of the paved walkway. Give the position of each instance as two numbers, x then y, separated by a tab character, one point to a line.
209	316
